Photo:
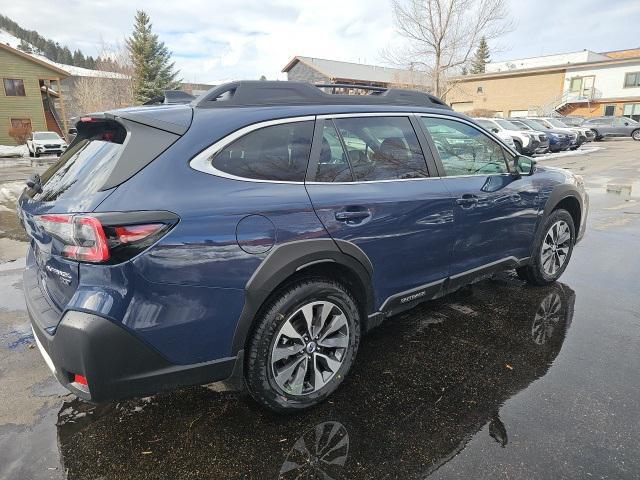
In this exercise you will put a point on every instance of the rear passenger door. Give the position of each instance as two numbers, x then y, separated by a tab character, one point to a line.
369	183
495	210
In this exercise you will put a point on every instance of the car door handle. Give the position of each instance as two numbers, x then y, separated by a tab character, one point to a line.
467	200
352	216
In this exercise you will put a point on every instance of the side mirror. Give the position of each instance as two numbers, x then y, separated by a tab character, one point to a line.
72	131
495	130
626	124
524	165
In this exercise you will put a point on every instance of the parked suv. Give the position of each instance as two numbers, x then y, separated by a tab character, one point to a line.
584	134
527	142
559	139
604	127
259	231
45	143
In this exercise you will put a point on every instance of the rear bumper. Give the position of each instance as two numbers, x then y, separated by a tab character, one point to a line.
115	363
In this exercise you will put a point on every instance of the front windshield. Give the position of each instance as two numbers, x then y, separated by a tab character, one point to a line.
535	125
557	123
489	125
46	136
506	124
521	125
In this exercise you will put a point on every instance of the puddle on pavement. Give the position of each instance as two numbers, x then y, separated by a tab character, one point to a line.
398	415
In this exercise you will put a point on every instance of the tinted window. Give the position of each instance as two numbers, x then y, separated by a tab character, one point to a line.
85	165
465	150
382	148
332	164
278	152
599	121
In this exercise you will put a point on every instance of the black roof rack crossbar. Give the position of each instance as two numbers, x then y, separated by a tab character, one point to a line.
259	93
350	86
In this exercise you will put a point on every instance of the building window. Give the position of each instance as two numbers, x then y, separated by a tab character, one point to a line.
479	90
632	80
14	87
609	110
576	84
21	122
632	110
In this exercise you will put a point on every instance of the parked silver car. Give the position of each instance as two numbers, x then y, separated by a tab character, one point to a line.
584	134
604	127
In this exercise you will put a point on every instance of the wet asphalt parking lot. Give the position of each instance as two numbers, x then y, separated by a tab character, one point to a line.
500	380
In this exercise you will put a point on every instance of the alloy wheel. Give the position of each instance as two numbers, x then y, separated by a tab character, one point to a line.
309	348
320	453
636	134
555	247
547	316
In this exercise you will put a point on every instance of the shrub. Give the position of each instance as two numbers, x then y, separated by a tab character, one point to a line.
20	134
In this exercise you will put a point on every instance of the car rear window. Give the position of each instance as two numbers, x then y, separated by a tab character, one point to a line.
85	165
277	152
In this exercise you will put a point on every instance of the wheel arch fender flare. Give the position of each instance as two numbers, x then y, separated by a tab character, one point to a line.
288	259
559	193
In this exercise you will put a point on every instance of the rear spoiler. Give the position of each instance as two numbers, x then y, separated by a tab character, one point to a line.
171	97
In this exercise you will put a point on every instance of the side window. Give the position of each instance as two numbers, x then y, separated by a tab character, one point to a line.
333	165
463	149
382	148
279	152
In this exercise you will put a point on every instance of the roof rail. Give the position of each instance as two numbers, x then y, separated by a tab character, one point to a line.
260	93
350	85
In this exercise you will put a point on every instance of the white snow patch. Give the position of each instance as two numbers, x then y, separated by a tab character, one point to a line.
10	191
14	151
569	153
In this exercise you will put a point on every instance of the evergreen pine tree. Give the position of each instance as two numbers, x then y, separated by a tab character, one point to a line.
78	58
25	47
153	69
66	56
482	57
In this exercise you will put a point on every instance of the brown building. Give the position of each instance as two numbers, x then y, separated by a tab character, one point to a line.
583	83
31	95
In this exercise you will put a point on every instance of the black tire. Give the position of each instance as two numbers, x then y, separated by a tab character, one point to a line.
636	135
259	377
597	137
534	273
518	146
30	153
37	155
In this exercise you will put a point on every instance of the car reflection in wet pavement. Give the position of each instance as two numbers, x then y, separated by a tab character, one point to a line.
424	384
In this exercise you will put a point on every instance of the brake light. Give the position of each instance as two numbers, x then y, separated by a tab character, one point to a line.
134	233
86	239
81	380
82	235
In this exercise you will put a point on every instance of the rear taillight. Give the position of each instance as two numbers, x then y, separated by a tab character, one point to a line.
86	239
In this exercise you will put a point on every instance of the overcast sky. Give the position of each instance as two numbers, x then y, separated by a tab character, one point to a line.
220	40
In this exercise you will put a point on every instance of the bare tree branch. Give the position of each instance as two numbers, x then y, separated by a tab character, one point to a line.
440	36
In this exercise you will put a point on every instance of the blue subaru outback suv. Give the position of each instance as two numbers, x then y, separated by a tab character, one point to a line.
260	230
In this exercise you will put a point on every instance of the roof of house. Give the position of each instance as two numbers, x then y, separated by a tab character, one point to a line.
49	65
360	72
548	69
10	42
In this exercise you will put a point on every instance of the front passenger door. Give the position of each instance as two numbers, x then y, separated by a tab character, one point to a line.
370	187
495	209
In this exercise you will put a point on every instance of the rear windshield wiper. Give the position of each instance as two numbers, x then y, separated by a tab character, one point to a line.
35	183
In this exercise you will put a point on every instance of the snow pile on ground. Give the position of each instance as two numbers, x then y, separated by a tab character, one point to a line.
14	151
570	153
9	193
